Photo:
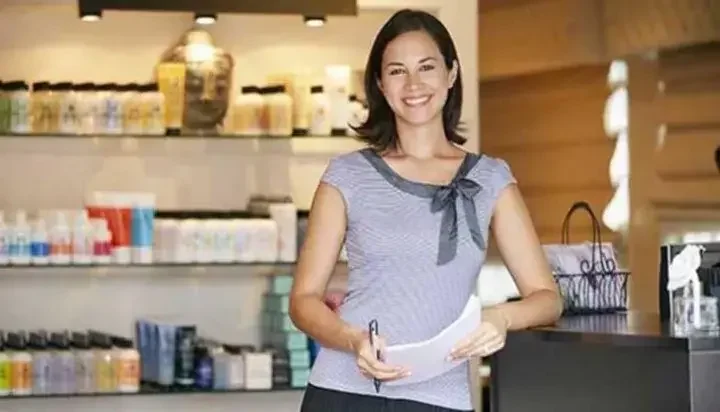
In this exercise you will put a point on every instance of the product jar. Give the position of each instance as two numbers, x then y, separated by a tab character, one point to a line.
279	109
247	112
153	110
68	117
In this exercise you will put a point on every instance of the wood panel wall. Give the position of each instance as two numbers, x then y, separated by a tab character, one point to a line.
548	127
674	133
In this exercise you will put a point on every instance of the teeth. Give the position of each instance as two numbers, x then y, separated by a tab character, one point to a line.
416	101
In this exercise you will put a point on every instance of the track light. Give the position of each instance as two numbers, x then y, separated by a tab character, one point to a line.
314	21
205	19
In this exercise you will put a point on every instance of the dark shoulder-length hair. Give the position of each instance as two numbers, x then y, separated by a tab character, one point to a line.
379	130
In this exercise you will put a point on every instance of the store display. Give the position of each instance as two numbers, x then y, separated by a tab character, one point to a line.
320	121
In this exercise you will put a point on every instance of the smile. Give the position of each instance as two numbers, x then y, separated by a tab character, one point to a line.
416	101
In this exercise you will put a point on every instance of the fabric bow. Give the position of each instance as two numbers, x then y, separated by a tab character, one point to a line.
445	200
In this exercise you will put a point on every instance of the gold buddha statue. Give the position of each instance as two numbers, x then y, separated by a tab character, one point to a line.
208	81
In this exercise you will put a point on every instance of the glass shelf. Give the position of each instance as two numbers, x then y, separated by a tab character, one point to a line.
209	136
150	390
160	269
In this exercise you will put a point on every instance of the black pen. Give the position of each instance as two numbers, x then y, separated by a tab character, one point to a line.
373	332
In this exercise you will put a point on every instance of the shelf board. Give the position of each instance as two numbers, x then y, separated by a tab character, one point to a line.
208	144
159	269
154	390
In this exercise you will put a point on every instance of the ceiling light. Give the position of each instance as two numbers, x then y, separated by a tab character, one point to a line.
90	16
311	21
205	19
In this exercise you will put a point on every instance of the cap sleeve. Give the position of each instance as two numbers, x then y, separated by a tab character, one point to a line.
337	174
502	177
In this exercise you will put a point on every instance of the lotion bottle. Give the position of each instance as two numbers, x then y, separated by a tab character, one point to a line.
19	247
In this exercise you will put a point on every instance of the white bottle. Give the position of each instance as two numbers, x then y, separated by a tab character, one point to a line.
60	241
39	244
19	246
320	116
4	240
82	239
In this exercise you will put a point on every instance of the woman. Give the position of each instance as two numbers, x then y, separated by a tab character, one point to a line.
414	211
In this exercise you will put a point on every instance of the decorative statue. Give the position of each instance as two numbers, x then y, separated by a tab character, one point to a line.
208	80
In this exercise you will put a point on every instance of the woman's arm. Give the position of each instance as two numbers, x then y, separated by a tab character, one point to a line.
316	263
520	249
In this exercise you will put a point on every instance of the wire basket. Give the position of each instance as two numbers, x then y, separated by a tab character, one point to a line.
595	293
601	288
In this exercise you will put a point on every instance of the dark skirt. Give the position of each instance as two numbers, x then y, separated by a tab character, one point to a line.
327	400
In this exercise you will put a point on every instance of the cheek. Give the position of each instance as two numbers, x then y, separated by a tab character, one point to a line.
392	90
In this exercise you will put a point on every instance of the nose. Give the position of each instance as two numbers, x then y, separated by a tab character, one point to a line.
412	81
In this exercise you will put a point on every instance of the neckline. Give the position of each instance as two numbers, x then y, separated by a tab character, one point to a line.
423	189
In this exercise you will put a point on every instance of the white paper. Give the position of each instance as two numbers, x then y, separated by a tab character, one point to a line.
428	359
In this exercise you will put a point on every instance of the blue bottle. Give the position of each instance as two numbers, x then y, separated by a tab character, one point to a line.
203	368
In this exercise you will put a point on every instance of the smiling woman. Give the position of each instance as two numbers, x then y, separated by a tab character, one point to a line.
414	212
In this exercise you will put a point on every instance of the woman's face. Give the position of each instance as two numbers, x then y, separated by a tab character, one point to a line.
415	79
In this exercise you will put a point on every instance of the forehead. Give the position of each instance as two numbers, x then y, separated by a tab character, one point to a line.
411	46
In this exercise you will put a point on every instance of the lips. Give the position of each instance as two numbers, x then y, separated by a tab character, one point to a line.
416	101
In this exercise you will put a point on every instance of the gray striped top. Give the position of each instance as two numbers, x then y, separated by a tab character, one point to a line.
414	253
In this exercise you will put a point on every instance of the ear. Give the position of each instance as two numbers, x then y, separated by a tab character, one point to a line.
453	74
379	85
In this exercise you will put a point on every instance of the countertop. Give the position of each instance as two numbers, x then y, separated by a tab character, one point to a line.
631	329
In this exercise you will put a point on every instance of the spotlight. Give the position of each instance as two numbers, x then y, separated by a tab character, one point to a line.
314	21
90	16
205	19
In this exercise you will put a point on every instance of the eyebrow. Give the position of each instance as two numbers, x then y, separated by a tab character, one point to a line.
423	60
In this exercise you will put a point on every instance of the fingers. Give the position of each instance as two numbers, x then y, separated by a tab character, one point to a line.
372	367
485	341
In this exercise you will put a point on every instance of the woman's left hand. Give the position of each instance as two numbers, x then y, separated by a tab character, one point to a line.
487	339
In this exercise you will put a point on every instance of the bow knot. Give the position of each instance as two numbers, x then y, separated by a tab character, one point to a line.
445	200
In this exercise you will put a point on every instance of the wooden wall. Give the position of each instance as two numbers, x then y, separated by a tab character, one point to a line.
548	127
674	132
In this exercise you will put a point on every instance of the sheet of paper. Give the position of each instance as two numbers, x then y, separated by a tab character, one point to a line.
428	358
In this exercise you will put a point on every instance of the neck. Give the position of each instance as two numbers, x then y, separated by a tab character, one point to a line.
422	142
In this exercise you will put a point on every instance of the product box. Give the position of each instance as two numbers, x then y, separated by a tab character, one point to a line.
167	347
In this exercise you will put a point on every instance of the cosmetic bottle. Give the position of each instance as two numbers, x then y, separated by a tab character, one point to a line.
20	365
4	368
42	359
84	364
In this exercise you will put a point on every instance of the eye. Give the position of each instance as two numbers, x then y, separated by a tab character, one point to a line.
427	67
396	71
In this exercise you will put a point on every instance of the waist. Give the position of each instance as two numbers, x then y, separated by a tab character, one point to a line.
338	371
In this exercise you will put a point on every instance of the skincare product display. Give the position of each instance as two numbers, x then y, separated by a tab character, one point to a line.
40	363
175	355
86	108
124	228
287	105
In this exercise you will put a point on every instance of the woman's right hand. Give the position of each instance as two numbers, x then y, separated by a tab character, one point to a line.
369	365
